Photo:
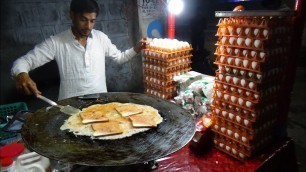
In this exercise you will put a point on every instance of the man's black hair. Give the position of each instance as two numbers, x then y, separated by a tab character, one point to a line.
84	6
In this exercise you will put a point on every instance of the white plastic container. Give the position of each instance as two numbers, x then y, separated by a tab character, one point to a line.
32	162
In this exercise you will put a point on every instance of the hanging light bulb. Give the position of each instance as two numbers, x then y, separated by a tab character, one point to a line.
175	6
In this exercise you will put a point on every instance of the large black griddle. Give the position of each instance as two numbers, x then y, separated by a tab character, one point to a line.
41	133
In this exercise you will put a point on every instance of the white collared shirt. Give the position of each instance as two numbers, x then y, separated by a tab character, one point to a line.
82	70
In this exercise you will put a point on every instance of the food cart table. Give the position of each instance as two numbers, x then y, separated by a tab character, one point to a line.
279	157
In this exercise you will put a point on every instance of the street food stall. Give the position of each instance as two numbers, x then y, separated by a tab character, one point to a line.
225	122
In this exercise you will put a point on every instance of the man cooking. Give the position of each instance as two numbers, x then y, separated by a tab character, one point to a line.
79	53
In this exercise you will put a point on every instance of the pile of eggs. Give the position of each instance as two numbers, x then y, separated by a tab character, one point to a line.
168	45
164	59
251	55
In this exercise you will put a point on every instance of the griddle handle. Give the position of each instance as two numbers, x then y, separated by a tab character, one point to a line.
47	100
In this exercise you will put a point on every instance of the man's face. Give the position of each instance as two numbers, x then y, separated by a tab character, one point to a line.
83	23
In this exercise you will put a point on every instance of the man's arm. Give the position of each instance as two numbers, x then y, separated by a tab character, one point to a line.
26	85
41	54
122	57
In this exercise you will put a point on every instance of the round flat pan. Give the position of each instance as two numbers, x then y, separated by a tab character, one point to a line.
41	133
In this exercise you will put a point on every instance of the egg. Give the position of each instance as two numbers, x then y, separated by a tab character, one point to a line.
230	106
230	29
237	61
241	155
233	99
242	72
223	40
229	132
231	115
245	112
238	31
220	77
229	60
257	43
235	71
224	87
247	93
245	63
238	119
245	53
265	32
253	54
258	76
246	122
247	31
234	151
219	94
226	96
254	65
256	96
240	91
243	82
240	101
248	42
228	78
240	41
222	59
229	51
217	111
262	55
216	127
249	104
221	145
237	51
239	8
250	74
223	30
224	113
251	85
256	32
232	41
235	80
236	135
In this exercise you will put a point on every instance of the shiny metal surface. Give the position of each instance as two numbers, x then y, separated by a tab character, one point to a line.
257	13
41	133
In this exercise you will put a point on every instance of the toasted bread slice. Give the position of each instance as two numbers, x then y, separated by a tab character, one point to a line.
106	123
128	109
106	128
143	120
93	116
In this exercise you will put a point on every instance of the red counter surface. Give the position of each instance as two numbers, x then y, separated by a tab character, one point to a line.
278	157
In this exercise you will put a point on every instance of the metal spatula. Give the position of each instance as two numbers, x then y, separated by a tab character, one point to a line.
70	110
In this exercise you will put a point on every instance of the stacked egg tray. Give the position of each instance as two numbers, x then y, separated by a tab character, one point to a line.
160	67
251	56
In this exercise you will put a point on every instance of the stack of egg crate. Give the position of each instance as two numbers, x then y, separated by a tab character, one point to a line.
251	57
164	59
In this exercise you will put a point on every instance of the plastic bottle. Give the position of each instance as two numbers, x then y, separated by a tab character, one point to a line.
32	162
7	164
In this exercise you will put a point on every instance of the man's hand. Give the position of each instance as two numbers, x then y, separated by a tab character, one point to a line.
26	85
142	44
